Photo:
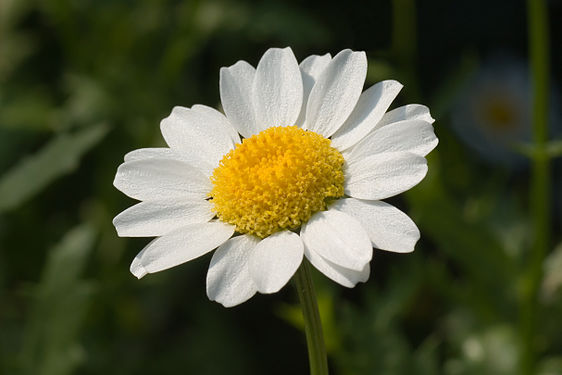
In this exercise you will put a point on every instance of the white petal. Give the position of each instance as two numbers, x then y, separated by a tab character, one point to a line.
407	112
343	276
369	110
228	279
219	118
157	179
388	227
197	136
414	136
277	89
152	219
311	68
166	153
275	260
336	92
180	246
236	97
339	238
154	153
384	175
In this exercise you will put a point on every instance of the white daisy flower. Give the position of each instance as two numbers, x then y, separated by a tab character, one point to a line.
316	157
493	114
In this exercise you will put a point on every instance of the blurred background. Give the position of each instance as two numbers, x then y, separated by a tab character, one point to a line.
82	82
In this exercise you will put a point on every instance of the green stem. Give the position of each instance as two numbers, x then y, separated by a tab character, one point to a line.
312	324
540	181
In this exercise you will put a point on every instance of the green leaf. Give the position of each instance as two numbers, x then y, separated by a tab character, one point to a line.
425	358
553	149
60	302
59	157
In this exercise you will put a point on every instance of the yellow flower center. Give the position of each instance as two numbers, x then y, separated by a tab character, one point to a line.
500	113
276	180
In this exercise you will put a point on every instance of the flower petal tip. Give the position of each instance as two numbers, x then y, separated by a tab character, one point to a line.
228	305
137	269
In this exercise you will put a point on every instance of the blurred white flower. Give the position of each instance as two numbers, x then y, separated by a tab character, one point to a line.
493	114
317	157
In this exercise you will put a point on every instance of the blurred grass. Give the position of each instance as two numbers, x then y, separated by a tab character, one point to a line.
84	82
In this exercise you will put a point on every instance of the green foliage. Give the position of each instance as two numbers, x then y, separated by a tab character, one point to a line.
59	304
59	157
84	82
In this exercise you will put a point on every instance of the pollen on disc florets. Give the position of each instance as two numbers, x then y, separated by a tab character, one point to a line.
276	180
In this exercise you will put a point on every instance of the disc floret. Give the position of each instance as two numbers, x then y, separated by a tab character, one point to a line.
276	180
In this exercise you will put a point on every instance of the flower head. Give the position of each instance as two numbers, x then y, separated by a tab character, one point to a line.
492	114
305	180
